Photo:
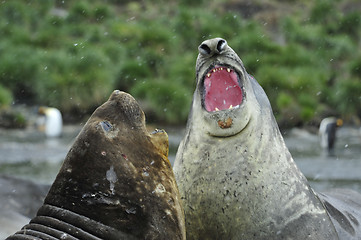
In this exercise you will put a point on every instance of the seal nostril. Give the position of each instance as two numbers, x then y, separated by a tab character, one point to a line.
221	45
204	49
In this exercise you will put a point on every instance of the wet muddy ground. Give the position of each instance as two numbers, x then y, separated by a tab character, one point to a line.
28	154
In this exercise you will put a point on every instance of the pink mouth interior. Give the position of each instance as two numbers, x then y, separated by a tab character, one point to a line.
222	89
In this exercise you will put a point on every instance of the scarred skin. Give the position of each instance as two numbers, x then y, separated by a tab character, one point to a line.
236	176
115	183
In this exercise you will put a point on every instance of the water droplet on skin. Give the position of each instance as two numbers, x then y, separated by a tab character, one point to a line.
131	210
346	145
64	236
159	189
112	178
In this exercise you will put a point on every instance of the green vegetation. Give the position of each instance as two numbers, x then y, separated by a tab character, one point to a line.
73	54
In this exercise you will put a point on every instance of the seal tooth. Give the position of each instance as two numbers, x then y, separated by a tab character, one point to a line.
228	70
214	70
221	69
217	109
209	75
230	107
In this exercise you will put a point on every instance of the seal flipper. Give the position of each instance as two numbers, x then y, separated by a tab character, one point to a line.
343	207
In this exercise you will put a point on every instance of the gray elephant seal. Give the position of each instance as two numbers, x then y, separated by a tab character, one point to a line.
115	183
235	174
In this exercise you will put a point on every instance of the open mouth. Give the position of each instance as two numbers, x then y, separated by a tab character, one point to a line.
222	89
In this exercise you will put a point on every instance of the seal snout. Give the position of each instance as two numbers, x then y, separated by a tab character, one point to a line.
212	46
125	109
221	83
117	94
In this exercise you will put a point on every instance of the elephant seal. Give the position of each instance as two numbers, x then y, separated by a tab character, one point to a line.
116	182
235	174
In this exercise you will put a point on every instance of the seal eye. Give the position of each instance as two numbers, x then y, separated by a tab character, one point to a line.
106	126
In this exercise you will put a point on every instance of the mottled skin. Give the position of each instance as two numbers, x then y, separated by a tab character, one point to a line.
115	183
240	181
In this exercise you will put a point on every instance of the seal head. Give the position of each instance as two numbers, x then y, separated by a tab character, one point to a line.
235	174
116	181
220	92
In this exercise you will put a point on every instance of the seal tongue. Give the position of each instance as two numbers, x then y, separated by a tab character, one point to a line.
222	90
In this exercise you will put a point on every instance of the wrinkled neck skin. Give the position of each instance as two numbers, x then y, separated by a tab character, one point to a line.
241	182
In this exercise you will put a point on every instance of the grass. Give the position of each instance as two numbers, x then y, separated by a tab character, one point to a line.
71	55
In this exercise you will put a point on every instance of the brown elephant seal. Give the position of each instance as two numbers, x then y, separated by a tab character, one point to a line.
115	183
235	174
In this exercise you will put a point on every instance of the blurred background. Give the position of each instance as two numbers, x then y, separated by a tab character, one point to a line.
60	59
70	55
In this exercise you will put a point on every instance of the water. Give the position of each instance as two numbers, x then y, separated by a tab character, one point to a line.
323	171
28	154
